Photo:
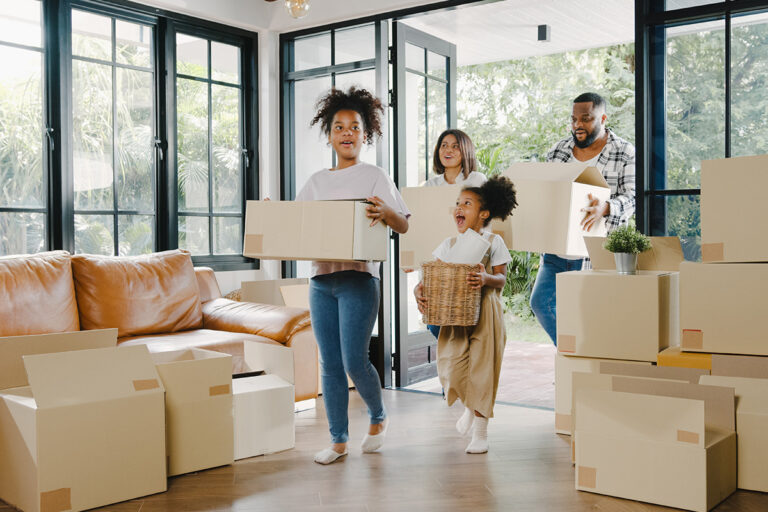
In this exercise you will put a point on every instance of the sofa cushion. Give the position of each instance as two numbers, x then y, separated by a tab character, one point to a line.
219	341
37	294
275	322
148	294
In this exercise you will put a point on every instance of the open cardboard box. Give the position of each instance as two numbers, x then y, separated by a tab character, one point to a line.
565	367
198	408
722	307
431	222
88	430
268	291
264	404
550	198
313	230
629	317
668	443
725	236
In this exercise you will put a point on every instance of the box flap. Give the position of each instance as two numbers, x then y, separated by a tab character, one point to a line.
268	290
296	296
719	402
666	253
740	366
12	348
556	171
690	375
752	394
271	359
82	376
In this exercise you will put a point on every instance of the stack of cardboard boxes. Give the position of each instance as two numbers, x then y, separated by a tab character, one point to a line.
84	423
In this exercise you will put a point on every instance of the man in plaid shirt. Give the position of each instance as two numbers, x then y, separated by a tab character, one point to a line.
595	145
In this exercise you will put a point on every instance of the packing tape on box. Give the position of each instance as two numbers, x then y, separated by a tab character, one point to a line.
563	422
587	477
684	436
254	244
145	384
566	343
223	389
712	252
406	258
692	338
56	501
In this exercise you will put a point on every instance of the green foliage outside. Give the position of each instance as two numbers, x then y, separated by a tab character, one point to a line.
627	239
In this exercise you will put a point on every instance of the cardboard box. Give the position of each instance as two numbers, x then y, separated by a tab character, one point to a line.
565	367
432	221
667	443
726	232
13	348
296	295
674	356
751	427
603	314
268	291
550	197
88	431
722	307
313	230
264	404
198	408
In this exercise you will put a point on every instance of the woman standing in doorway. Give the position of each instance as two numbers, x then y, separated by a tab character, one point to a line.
344	296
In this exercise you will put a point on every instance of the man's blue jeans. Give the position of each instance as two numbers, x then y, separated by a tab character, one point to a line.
344	306
543	297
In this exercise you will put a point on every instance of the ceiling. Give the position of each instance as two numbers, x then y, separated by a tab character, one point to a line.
508	29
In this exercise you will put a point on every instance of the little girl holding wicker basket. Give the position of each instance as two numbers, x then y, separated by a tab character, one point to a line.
465	299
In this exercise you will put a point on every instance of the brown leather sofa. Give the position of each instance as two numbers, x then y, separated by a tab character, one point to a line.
159	300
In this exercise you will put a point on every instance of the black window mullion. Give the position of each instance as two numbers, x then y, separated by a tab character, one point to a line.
728	85
115	240
210	152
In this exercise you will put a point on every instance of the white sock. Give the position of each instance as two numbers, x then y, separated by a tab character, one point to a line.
371	443
479	443
465	422
328	455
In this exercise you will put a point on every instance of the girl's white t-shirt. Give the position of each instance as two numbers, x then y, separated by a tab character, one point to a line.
475	179
499	252
355	182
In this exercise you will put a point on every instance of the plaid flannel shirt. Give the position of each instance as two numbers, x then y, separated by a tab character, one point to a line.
617	164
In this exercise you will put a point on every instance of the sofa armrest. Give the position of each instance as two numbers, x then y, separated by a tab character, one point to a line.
305	360
278	323
206	281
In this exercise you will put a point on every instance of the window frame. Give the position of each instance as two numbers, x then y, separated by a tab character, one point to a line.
58	117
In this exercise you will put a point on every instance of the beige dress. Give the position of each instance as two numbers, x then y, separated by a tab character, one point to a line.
469	358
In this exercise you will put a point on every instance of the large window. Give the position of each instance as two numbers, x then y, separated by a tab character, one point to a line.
23	183
132	130
704	80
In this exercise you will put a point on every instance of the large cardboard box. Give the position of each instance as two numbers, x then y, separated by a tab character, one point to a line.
268	291
667	443
313	230
264	404
550	197
565	367
728	233
198	408
432	221
88	431
751	427
603	314
722	307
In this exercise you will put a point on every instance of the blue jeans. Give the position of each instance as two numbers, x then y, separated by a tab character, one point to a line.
543	296
434	329
344	306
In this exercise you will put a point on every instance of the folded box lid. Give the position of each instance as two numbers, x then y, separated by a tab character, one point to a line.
194	374
13	348
83	376
575	172
665	253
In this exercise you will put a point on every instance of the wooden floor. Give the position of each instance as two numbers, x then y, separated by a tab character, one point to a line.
423	467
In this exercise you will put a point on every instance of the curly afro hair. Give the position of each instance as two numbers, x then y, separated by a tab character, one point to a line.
498	196
360	100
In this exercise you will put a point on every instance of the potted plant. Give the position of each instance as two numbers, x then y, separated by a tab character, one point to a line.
625	242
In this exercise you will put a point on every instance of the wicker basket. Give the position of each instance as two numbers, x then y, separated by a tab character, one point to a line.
450	300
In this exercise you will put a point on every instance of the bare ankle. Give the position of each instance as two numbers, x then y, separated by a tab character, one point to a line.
339	447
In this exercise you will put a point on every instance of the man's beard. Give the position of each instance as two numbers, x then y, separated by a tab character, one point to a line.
591	137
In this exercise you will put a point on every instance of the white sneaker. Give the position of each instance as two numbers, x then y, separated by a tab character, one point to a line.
329	455
479	443
464	424
371	443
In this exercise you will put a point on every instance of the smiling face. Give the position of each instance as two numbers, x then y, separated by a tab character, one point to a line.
449	152
468	213
347	136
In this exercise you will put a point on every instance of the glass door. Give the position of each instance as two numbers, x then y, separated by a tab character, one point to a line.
424	105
